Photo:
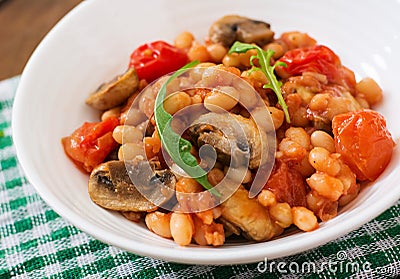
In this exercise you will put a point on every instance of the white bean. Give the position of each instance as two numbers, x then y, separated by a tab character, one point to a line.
304	218
277	116
300	136
129	151
133	117
370	89
266	198
321	160
127	134
217	52
184	40
159	223
198	52
281	213
326	185
224	98
323	139
176	101
114	112
182	228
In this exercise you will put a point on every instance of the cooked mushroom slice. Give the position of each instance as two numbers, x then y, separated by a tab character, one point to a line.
111	187
248	215
321	123
244	142
132	216
115	92
231	28
229	228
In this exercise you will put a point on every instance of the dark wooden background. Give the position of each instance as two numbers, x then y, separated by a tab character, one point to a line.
23	23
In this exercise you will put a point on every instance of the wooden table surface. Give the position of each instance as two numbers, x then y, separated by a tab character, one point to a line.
23	23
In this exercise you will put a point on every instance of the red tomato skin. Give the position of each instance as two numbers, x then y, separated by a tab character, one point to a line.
156	59
287	184
91	143
364	142
319	59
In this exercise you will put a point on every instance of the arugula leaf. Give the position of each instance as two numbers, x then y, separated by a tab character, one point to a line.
264	58
177	147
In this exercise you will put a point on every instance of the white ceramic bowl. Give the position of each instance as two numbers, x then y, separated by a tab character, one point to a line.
93	43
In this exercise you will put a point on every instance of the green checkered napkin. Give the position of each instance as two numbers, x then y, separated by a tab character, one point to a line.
37	243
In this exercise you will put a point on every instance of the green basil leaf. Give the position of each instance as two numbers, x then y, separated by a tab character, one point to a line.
264	58
239	47
177	147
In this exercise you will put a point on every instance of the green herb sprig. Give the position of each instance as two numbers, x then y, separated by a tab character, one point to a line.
177	147
264	58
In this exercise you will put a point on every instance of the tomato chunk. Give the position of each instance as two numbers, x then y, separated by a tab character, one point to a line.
318	59
364	142
287	184
90	144
156	59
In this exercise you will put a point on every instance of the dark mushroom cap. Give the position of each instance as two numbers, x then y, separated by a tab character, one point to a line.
111	187
231	28
114	92
240	141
